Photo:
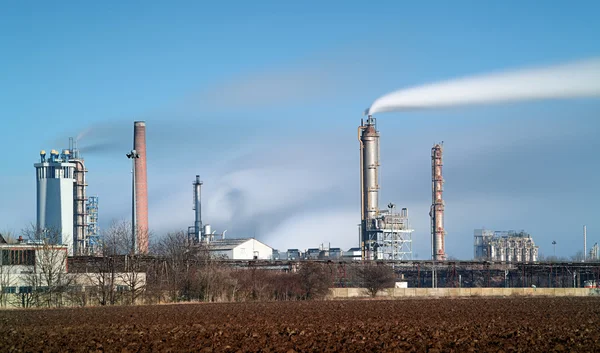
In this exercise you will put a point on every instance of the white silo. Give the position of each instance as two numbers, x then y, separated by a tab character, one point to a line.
55	178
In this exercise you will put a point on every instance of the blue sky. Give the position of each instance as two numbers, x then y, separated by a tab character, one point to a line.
263	99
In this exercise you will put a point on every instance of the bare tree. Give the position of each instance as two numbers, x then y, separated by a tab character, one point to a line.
50	279
115	243
102	280
8	236
134	278
7	280
117	273
578	257
179	278
314	281
376	277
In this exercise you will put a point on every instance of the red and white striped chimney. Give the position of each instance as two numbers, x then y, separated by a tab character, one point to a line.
141	186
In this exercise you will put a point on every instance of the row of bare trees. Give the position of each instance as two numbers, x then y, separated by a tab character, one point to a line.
177	270
187	272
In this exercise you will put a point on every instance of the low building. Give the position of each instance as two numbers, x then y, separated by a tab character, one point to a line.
504	246
30	270
294	254
354	254
240	249
25	265
334	253
312	254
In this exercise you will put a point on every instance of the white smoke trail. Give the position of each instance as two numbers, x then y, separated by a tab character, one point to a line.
572	80
82	134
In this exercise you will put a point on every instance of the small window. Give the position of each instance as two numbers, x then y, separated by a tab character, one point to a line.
25	289
9	289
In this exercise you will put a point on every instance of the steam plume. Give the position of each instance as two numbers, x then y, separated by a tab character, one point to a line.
573	80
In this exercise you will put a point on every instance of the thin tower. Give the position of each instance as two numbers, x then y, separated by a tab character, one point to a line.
141	186
198	209
436	213
369	186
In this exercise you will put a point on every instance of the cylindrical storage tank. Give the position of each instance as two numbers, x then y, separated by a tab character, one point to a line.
207	230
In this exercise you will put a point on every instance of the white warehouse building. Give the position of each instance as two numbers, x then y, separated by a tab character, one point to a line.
240	249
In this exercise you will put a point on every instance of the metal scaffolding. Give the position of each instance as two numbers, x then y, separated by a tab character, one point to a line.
93	233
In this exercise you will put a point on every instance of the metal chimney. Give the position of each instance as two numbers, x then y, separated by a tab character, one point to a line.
584	243
437	205
198	209
368	137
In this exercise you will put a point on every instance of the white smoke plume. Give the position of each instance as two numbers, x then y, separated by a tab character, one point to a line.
573	80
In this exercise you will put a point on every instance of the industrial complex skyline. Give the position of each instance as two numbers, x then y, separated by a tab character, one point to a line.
268	120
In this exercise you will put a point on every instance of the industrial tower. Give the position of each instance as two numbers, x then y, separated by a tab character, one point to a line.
141	188
55	177
383	234
195	232
438	234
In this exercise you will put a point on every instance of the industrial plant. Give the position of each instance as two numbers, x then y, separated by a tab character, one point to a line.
65	211
67	219
65	215
383	234
504	246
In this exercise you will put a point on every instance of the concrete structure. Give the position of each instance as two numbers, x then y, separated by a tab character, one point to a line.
141	187
34	268
509	246
438	233
240	249
55	178
25	265
383	235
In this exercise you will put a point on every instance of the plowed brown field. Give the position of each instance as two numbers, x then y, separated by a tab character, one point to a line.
420	325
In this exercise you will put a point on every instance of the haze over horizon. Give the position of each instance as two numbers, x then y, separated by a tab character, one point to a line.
263	101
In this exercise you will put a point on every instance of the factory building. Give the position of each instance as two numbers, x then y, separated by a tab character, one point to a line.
240	249
290	254
65	216
23	264
36	267
383	234
504	246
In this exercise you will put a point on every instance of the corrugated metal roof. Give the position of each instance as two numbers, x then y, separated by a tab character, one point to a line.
226	244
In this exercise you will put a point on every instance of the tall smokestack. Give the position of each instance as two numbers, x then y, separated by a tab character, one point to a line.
141	186
584	243
198	209
369	185
438	248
